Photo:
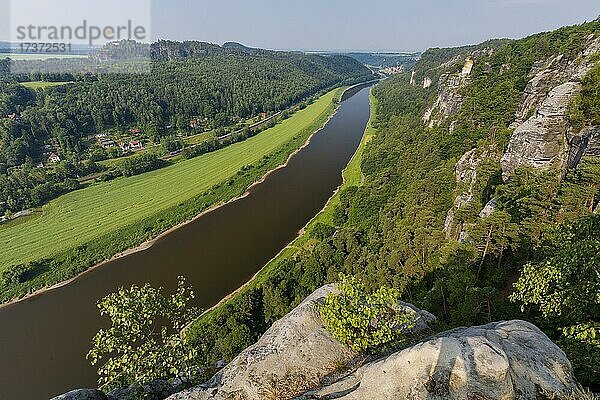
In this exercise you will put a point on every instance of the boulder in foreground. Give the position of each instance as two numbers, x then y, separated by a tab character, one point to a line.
502	360
292	356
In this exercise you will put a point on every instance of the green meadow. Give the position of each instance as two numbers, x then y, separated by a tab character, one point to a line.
41	85
81	216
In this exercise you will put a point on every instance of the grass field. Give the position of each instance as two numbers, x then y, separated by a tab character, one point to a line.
83	215
41	85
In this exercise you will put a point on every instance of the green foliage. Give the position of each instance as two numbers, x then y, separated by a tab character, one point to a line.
144	342
171	144
139	164
216	86
389	225
76	258
322	231
365	321
15	275
585	107
565	283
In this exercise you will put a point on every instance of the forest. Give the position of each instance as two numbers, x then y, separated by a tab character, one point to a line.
190	81
534	258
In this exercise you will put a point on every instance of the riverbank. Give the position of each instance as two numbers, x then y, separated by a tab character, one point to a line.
71	264
351	176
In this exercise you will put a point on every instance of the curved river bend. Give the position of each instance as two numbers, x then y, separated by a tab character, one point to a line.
44	339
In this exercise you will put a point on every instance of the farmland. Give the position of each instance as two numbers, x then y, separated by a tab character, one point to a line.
41	85
80	217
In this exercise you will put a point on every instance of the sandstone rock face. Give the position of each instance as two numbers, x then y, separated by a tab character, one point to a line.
412	78
540	136
449	100
296	349
427	82
505	360
466	178
157	390
488	209
584	144
82	394
468	67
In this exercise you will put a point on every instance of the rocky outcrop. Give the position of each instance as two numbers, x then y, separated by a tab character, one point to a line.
488	209
505	360
468	67
449	100
466	173
584	144
541	127
296	351
412	78
540	142
297	358
157	390
83	394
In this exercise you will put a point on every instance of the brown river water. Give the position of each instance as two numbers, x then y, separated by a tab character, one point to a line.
44	339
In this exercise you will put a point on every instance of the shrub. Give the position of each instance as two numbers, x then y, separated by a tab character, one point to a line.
364	320
144	342
322	231
565	287
15	274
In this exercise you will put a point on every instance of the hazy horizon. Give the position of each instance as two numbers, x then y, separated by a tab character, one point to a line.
336	25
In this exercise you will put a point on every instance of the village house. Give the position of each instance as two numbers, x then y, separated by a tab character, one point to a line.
53	158
136	145
125	147
107	143
195	123
14	117
135	131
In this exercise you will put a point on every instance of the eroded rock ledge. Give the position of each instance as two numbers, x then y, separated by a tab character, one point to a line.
502	360
295	353
298	358
544	140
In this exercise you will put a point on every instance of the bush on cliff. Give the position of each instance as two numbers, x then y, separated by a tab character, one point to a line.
144	342
365	320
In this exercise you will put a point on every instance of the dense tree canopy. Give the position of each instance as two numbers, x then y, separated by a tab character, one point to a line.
390	229
192	81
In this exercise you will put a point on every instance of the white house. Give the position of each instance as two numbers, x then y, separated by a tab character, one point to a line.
53	158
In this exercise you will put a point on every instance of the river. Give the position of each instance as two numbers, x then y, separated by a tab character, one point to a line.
44	339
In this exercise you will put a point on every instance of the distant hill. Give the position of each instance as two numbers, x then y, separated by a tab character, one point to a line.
237	46
382	59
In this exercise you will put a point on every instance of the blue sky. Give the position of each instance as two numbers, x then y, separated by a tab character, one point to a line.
349	24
